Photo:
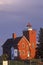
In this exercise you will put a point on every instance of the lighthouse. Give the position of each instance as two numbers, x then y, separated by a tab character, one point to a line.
29	26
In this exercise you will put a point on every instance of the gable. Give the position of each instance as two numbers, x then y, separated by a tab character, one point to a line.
24	44
23	41
24	48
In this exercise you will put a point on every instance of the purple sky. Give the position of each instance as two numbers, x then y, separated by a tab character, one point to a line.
15	14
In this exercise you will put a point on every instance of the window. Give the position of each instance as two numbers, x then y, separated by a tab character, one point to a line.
12	53
15	52
29	54
23	45
23	52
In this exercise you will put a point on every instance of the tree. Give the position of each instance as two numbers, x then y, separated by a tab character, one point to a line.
4	57
40	45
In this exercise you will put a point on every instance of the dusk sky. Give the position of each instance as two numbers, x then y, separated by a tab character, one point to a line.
15	14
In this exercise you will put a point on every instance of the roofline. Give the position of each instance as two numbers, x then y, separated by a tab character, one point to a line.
25	39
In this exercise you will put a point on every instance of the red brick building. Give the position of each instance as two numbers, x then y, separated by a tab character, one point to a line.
23	47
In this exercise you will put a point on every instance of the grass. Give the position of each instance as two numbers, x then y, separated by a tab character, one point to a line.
0	62
31	62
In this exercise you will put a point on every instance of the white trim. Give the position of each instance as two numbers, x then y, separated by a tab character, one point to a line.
29	28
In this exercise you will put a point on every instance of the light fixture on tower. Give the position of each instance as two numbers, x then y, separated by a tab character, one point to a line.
29	26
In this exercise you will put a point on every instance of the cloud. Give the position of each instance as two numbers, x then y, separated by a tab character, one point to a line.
28	2
10	2
20	5
25	7
3	2
15	14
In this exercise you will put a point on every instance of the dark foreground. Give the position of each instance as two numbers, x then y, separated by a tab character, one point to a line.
31	62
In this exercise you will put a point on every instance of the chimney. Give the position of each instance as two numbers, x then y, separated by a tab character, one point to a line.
14	35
